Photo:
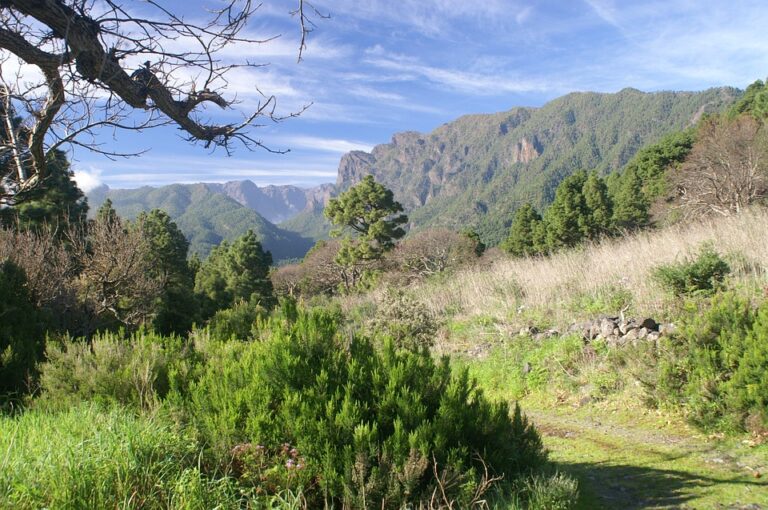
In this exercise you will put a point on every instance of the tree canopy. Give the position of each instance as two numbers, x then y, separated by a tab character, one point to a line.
369	210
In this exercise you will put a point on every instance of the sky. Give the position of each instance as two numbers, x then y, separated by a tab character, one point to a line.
377	67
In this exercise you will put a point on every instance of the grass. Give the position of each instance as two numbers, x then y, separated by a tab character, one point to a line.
88	457
594	422
596	278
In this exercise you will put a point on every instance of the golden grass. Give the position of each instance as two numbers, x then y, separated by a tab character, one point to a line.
552	287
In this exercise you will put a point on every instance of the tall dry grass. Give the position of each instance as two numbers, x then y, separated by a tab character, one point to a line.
613	270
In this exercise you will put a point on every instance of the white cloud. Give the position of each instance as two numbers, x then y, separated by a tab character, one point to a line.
326	144
462	81
605	10
523	15
88	180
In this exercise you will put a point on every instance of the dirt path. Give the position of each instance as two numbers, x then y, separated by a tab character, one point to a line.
627	462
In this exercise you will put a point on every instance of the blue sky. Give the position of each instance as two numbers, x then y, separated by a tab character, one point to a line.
377	67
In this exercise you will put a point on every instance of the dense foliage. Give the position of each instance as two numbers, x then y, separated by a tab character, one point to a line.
717	370
703	273
233	273
309	409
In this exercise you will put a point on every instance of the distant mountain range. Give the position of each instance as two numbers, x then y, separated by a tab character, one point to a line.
211	213
474	171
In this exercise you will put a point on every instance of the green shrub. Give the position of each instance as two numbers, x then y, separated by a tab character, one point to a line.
716	367
370	425
236	322
21	333
137	370
703	274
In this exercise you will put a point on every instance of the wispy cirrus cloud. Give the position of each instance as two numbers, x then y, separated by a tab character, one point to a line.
466	82
605	9
326	144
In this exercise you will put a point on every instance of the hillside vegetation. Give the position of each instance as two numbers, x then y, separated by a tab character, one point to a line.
476	171
206	216
611	353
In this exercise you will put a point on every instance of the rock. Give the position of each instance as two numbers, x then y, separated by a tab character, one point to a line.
667	329
588	330
526	368
529	331
653	336
642	333
606	327
630	336
626	326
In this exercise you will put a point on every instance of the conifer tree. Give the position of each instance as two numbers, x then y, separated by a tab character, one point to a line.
524	232
630	210
55	202
599	206
568	217
176	308
371	213
233	273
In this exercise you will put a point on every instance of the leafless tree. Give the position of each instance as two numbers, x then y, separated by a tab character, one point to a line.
116	276
433	251
48	266
71	68
727	168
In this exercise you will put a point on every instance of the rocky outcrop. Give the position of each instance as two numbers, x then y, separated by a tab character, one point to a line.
526	150
615	331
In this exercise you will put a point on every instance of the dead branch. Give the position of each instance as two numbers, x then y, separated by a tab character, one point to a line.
100	63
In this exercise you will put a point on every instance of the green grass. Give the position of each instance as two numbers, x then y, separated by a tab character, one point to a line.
623	454
88	458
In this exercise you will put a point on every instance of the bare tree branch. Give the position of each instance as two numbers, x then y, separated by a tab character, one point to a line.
88	53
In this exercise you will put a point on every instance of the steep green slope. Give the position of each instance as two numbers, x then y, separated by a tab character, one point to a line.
478	169
206	216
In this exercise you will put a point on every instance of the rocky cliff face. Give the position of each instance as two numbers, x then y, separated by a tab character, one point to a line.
477	170
275	203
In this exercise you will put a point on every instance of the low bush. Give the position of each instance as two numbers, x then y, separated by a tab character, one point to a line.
703	274
717	366
388	426
407	322
236	322
136	370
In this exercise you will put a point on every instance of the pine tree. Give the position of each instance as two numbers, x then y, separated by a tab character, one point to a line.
370	211
599	207
567	218
630	210
234	273
176	308
522	239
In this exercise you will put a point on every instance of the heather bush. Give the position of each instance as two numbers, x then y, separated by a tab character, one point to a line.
716	366
369	425
407	322
703	274
114	368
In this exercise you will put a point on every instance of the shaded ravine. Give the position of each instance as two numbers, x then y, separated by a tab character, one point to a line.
630	466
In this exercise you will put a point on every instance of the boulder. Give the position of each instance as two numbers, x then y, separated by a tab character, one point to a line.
606	327
667	329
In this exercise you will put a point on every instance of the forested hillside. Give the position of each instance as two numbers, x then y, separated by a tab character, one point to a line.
479	169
